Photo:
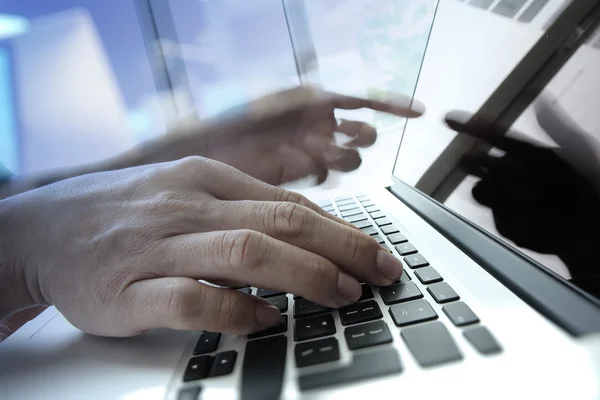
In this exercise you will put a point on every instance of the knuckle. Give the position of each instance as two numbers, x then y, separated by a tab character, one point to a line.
167	202
354	244
244	249
293	219
322	276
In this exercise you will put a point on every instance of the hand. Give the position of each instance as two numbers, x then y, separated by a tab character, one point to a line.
282	137
122	252
543	198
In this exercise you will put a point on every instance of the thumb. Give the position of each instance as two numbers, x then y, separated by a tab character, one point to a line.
186	304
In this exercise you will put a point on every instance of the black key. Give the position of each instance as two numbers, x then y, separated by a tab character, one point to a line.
317	352
191	393
405	249
431	344
428	275
362	224
360	312
460	314
383	221
373	364
297	297
367	203
371	208
223	363
416	261
367	293
412	313
388	248
481	338
263	368
389	229
404	278
370	231
281	327
281	302
397	238
304	308
356	218
314	327
367	335
442	292
268	292
350	206
379	239
208	342
246	290
197	368
399	293
349	213
377	214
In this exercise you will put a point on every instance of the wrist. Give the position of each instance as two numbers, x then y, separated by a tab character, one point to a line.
14	288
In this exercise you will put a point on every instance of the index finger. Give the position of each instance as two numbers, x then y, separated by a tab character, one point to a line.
397	104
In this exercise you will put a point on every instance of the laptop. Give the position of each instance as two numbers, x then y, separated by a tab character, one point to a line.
473	316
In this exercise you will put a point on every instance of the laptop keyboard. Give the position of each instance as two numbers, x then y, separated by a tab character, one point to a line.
313	329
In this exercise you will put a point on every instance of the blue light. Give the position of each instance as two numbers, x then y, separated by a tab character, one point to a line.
9	152
12	25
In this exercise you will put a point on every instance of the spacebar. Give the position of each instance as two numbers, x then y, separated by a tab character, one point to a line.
384	361
264	367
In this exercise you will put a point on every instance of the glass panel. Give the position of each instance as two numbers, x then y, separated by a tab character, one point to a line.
546	204
75	83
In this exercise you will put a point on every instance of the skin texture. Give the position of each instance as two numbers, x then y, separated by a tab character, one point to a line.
119	247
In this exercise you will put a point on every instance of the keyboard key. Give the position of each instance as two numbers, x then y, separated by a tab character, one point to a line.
246	290
379	239
383	221
373	364
314	327
404	278
397	238
360	312
317	352
349	213
268	292
343	198
428	275
370	231
371	208
329	209
405	249
197	368
324	203
281	327
399	293
367	203
389	229
442	292
377	214
460	314
264	368
348	207
431	344
363	198
362	224
356	218
223	363
345	202
416	261
334	213
208	342
367	335
481	338
367	293
191	393
304	308
412	313
281	302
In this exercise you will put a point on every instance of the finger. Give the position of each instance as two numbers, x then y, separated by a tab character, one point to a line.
185	304
342	159
492	134
364	134
396	104
297	164
351	250
261	261
483	193
485	164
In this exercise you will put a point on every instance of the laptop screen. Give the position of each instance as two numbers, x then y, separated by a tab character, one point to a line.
539	194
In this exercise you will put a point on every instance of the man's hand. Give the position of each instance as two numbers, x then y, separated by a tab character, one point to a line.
282	137
122	252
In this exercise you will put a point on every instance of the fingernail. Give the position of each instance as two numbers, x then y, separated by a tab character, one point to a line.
348	287
458	117
418	106
267	315
389	265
